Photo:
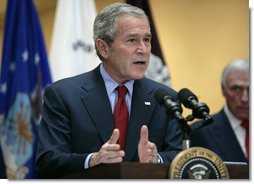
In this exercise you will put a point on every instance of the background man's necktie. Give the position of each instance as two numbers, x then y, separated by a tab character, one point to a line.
245	124
121	115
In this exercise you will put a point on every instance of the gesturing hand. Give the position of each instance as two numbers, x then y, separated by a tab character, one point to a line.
147	150
109	153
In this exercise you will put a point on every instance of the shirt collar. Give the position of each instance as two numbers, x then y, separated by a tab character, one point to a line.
111	84
235	122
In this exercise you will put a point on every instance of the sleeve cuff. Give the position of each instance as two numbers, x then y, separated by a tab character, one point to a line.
86	164
160	160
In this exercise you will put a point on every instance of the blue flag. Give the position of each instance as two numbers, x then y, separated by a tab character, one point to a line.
24	75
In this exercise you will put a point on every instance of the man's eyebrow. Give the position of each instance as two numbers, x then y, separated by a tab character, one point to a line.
135	35
149	35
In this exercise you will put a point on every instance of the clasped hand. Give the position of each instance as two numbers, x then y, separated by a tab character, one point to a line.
110	151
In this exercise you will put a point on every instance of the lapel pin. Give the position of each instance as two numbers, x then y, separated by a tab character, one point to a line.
147	103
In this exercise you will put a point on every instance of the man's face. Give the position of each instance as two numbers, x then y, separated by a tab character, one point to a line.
236	93
128	57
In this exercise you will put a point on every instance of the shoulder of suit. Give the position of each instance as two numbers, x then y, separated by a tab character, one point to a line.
78	80
153	86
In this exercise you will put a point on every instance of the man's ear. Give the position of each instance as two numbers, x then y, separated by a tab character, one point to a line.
223	88
102	48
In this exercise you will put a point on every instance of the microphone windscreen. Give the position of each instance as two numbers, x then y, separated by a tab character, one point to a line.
160	94
184	94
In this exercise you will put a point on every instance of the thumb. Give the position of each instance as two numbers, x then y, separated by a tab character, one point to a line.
114	137
143	135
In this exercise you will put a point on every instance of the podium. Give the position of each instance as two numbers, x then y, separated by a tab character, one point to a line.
134	170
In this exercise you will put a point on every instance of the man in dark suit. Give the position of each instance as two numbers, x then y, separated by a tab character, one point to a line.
226	136
78	131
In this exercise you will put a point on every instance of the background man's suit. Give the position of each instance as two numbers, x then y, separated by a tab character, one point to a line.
220	138
79	112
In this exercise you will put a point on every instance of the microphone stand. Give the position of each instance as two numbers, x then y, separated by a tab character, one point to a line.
186	129
186	132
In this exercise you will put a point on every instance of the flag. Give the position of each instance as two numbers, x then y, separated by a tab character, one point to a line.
24	75
72	48
157	70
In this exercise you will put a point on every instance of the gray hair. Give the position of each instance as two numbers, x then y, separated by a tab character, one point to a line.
234	65
105	26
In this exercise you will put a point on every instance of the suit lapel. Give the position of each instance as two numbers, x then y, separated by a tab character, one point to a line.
97	104
143	104
224	135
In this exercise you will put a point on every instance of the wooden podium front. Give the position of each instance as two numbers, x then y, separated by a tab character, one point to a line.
134	170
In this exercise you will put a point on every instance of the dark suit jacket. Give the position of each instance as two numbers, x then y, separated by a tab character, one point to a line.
77	120
220	138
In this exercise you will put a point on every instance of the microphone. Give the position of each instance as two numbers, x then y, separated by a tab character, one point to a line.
172	107
189	100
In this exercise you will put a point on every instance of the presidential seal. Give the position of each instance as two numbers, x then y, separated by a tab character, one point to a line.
197	163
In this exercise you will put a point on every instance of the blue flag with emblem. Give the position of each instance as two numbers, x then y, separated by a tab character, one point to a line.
24	75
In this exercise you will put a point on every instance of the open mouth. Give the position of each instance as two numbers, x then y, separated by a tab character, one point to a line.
140	62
